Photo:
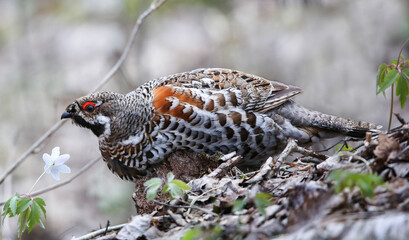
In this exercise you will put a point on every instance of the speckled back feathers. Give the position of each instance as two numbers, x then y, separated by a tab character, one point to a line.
205	110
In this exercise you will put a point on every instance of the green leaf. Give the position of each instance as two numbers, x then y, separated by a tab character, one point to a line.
380	77
239	204
390	79
343	147
152	181
170	177
34	216
263	195
6	209
41	204
174	190
366	188
374	179
181	184
152	186
22	222
39	201
402	90
405	73
365	182
165	188
6	205
23	204
192	234
41	224
152	192
262	200
13	205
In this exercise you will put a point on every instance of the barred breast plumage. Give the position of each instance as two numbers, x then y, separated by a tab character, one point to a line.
205	110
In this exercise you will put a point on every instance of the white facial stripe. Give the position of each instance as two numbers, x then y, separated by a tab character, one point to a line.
98	103
104	120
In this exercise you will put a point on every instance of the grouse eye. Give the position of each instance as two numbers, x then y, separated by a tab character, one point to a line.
88	106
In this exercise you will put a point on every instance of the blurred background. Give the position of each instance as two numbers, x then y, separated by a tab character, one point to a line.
52	52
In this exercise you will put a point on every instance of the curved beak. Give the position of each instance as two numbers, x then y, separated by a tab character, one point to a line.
66	114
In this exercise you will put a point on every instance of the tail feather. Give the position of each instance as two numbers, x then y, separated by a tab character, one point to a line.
304	118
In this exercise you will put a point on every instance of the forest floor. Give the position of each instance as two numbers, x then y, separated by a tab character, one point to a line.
360	193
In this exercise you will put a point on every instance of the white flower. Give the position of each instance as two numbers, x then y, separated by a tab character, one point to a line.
54	164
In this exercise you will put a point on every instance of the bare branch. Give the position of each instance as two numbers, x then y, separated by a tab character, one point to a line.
31	149
99	232
155	5
47	189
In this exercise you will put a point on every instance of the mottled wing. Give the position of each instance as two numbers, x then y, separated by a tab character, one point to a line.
214	89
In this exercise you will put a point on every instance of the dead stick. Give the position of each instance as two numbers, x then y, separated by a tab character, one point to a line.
224	167
270	164
99	232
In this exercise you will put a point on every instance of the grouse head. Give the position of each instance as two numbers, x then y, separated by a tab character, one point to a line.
94	111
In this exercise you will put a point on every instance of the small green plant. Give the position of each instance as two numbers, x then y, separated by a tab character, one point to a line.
212	233
394	73
172	186
364	181
261	200
31	210
339	148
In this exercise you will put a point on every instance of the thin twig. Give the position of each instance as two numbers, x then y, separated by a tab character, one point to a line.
265	168
391	108
400	118
99	232
193	207
307	152
224	167
155	5
47	189
31	149
107	226
291	146
309	160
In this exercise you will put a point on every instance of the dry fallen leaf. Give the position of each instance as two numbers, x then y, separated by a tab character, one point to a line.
387	147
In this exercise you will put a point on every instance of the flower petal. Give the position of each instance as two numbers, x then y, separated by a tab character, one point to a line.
55	173
62	159
55	152
47	159
64	169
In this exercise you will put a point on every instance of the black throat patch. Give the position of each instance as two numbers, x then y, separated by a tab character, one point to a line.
97	129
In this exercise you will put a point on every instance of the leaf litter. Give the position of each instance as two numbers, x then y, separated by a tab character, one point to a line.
303	202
